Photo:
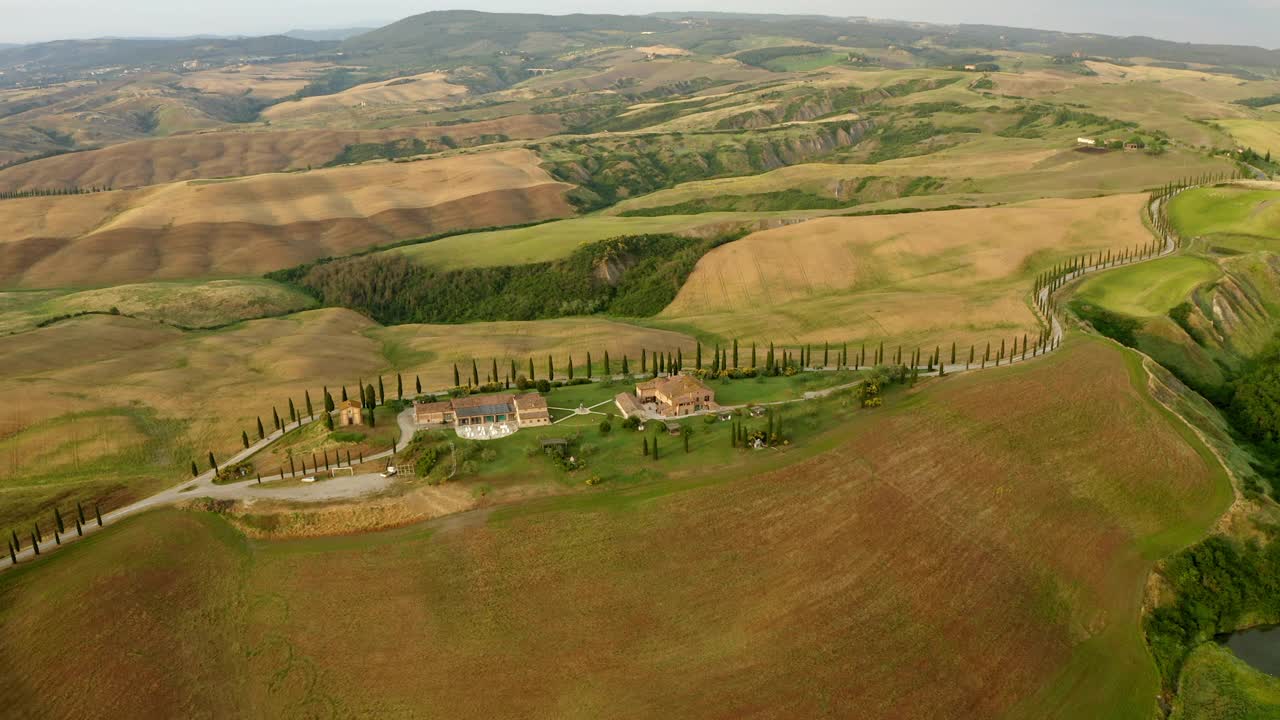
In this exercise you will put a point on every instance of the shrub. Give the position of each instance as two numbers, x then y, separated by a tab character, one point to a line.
605	427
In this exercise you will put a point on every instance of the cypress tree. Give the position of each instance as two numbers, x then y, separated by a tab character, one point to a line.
644	363
39	535
625	370
262	433
213	464
826	349
679	360
589	376
35	544
513	370
753	354
372	418
79	529
494	369
195	471
475	373
551	369
79	511
399	387
244	438
306	394
646	446
655	447
735	353
275	416
13	556
457	381
570	367
328	422
697	358
608	370
293	413
57	521
953	353
417	380
686	441
97	514
16	543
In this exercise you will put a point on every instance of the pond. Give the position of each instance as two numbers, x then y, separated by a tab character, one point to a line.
1260	647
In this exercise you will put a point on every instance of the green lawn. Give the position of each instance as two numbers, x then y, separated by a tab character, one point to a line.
550	241
1228	211
1215	685
1150	288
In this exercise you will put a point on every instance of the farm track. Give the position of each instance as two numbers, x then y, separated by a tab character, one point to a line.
203	486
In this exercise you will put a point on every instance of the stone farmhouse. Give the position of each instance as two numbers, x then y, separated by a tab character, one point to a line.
667	397
485	416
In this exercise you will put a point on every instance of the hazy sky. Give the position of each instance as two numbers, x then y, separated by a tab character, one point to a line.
1253	22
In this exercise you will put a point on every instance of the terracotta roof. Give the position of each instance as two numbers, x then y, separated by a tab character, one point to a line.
681	385
530	401
435	407
627	403
478	400
350	404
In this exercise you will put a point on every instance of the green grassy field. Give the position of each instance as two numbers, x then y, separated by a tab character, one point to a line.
192	304
554	240
1235	217
1014	590
1150	288
1215	685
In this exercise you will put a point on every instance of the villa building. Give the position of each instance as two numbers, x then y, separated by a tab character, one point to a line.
503	412
667	397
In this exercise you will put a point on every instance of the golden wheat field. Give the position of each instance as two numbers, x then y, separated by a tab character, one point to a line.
929	278
416	90
260	223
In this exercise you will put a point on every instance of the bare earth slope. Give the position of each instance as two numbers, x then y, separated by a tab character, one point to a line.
946	558
260	223
234	154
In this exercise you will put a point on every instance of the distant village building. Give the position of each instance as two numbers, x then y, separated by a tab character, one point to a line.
504	413
667	397
1087	142
350	412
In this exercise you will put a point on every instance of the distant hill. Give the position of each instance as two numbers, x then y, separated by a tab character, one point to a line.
73	55
333	34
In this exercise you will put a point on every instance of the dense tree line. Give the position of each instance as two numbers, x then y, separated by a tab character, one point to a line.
633	276
52	192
